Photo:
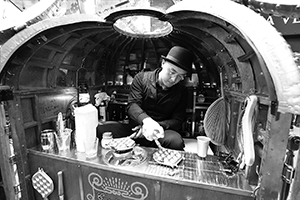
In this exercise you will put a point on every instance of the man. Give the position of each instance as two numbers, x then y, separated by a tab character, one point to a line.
157	103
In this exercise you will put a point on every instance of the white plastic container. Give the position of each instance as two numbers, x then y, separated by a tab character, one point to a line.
86	122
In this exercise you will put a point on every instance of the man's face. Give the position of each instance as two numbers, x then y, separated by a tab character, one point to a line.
171	74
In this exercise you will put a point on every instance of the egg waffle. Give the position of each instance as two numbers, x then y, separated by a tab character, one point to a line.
122	144
168	157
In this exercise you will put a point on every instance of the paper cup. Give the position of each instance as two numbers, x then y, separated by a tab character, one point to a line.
202	146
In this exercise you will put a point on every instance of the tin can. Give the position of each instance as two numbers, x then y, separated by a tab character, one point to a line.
47	139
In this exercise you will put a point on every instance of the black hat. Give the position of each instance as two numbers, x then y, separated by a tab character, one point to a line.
180	57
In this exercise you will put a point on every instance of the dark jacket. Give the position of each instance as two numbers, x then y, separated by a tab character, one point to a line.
147	98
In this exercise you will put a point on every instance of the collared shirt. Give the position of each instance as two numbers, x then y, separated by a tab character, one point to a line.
148	99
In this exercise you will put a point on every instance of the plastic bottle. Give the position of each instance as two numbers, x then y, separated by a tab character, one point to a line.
201	124
102	111
83	97
297	121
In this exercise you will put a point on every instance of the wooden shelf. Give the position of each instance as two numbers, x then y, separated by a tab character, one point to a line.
194	112
201	107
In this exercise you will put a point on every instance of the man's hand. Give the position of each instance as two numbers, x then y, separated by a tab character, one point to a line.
151	129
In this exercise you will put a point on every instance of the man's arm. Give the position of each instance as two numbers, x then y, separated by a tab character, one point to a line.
149	127
134	110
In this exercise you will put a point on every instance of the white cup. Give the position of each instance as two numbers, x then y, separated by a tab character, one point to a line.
202	146
91	148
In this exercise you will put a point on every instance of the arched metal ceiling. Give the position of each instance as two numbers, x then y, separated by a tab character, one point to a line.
88	41
38	56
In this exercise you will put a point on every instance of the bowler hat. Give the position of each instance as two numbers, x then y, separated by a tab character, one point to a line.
180	57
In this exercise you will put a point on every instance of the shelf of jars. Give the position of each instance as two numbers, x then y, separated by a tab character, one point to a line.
201	99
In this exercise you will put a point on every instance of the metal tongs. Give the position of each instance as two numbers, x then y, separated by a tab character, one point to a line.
155	140
158	143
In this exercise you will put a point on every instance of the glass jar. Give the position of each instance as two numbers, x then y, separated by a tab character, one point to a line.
106	139
47	140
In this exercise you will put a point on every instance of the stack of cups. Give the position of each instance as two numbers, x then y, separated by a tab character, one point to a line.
63	139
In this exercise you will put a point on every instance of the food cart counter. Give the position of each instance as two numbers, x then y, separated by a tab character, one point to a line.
100	178
44	61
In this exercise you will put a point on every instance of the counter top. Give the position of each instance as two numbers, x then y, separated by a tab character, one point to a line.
192	170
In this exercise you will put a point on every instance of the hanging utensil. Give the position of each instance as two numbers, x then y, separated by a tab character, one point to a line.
42	183
60	185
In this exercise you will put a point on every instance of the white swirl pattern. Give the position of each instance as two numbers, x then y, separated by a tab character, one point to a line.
117	187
